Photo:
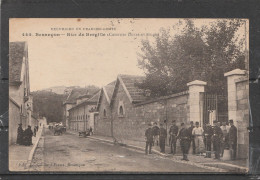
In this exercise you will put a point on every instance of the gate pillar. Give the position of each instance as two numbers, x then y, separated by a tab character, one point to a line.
195	88
231	88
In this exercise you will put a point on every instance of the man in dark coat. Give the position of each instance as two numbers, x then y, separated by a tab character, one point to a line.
19	135
156	130
192	137
216	138
173	136
207	136
149	139
28	133
34	131
233	139
184	136
162	137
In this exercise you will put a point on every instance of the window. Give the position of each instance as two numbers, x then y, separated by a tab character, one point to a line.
121	111
105	113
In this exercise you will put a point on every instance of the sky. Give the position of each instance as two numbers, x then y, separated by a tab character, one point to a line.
68	60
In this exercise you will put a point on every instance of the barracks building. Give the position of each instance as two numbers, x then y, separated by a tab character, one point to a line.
122	111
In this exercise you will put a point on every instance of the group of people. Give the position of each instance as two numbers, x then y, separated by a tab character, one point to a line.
198	139
24	137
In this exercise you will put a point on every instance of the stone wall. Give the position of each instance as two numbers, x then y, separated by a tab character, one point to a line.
103	122
133	123
242	116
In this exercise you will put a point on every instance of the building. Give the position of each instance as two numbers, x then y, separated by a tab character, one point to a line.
20	100
104	115
132	109
82	114
74	94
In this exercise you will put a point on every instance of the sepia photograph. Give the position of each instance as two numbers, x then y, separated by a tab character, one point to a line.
121	95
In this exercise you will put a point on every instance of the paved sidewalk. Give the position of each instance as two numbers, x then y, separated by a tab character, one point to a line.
239	166
20	156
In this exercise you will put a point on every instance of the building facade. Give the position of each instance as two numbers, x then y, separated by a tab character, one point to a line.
132	109
20	101
81	115
104	116
75	96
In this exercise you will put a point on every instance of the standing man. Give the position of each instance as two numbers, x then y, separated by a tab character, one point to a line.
173	136
233	139
149	139
217	135
184	136
208	135
34	131
192	138
197	133
162	137
19	139
224	141
156	130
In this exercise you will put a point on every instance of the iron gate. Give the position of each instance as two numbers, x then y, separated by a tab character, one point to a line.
214	107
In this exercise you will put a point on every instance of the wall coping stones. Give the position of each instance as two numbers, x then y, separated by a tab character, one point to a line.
197	82
163	98
235	72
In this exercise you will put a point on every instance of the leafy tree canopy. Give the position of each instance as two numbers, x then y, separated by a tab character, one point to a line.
48	104
196	53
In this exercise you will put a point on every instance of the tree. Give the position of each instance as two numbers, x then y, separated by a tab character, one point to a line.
49	105
197	53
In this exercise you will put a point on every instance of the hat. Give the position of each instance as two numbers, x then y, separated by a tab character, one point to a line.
182	124
197	123
155	123
231	121
173	121
191	122
215	121
149	124
20	124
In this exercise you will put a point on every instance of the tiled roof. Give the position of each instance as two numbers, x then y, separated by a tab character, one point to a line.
130	82
95	97
16	54
91	101
77	92
109	89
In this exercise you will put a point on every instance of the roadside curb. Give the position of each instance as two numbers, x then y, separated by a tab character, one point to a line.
220	167
215	167
34	148
163	155
235	168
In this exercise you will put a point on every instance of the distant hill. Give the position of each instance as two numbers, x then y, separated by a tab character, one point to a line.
59	89
67	90
48	102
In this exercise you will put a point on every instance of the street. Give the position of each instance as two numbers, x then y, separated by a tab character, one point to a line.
71	153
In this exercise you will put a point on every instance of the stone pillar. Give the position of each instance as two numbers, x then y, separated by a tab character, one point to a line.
231	88
195	88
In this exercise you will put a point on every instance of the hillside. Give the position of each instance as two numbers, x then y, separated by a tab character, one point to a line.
48	104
